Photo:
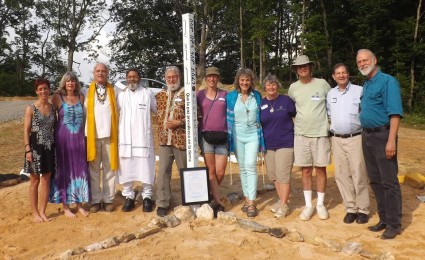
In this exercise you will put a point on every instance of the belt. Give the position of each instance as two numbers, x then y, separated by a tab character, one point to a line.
376	129
345	135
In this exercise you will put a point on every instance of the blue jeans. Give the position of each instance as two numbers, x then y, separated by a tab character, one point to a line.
246	149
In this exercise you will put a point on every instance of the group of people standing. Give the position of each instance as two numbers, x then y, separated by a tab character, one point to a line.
360	124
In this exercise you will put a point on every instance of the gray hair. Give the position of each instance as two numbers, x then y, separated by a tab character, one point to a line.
101	63
244	72
271	79
173	68
62	85
368	51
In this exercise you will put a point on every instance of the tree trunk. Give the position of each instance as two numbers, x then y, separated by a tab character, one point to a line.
412	63
302	28
328	41
242	61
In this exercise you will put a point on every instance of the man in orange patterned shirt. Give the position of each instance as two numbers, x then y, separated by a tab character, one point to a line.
172	136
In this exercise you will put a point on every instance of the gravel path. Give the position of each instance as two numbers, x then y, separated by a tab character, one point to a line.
13	110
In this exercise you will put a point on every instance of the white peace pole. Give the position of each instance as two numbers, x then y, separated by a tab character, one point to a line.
189	90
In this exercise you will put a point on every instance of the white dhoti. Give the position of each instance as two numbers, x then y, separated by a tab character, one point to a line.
136	147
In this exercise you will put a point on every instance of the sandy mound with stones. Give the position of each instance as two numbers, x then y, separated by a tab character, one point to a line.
136	235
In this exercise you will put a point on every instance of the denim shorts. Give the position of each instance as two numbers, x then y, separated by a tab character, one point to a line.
206	147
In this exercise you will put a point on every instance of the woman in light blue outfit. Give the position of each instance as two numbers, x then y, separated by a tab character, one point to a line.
245	134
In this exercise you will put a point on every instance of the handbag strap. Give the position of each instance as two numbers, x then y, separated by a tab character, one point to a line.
215	98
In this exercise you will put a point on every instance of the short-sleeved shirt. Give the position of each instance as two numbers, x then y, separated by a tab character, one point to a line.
344	109
381	99
276	120
310	102
216	112
176	109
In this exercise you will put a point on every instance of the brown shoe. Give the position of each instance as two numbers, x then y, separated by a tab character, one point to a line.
108	207
252	211
94	208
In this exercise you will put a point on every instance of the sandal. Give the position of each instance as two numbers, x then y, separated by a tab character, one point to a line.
245	207
252	211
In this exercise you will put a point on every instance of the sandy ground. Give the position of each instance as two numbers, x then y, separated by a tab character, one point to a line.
20	238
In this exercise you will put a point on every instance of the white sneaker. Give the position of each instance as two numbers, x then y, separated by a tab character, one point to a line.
282	211
306	213
322	212
275	206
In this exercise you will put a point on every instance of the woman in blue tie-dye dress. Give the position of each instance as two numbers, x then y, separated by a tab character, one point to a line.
71	184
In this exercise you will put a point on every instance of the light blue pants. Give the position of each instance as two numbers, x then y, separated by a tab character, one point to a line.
246	149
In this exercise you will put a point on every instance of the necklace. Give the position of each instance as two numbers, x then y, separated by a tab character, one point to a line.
272	105
100	93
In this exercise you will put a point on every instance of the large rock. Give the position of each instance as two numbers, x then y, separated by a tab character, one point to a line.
253	226
78	251
227	217
183	213
147	231
156	222
205	212
385	256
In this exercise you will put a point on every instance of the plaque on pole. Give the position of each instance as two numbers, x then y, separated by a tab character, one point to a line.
189	89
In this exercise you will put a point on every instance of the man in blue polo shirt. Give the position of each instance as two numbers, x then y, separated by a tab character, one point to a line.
381	110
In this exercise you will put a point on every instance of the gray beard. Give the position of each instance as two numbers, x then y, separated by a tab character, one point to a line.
367	71
174	87
133	86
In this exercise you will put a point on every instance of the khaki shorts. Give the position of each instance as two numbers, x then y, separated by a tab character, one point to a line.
279	164
312	151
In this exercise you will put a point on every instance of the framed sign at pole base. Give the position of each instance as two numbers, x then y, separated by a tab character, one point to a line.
194	185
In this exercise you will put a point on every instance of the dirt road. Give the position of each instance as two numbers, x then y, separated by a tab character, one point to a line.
12	110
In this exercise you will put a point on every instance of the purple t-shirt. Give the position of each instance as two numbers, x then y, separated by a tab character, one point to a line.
276	120
216	120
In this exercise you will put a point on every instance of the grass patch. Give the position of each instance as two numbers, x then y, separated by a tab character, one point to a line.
414	120
12	147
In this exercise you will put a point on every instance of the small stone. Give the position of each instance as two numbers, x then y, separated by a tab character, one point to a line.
385	256
170	221
126	237
183	213
278	232
233	197
367	254
66	255
253	226
294	236
144	232
110	242
205	212
332	245
227	217
78	251
93	247
352	248
318	241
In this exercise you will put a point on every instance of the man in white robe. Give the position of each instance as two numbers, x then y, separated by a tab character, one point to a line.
135	141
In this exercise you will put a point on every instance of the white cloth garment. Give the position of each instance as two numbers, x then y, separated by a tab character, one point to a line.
135	136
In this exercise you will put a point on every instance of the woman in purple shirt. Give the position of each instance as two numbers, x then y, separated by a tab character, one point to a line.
212	104
277	112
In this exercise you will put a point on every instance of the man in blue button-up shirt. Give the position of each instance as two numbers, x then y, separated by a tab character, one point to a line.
381	110
343	105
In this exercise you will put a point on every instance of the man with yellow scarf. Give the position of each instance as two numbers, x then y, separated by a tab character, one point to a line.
102	139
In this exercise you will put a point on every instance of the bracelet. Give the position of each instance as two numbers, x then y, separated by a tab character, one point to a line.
30	151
